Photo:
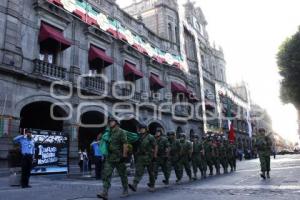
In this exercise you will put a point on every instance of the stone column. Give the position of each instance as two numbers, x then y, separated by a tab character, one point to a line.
12	52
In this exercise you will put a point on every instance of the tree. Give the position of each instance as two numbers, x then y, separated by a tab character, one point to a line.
288	60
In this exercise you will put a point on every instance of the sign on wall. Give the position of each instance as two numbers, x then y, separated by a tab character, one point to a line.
51	152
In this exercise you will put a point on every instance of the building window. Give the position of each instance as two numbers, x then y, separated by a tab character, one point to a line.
177	35
170	32
48	56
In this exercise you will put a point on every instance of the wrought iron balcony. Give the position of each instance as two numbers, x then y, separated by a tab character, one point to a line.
49	70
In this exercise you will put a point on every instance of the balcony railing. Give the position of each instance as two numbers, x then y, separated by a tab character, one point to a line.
49	70
128	92
95	83
181	110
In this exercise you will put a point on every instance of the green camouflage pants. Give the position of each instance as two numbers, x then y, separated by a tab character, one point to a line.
197	164
224	162
265	162
232	162
165	167
216	161
210	163
140	165
176	165
184	163
107	174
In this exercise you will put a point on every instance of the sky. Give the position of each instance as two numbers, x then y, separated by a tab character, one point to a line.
250	33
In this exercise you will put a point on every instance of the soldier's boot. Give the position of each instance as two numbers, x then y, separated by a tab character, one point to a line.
125	193
218	171
166	182
195	177
268	175
263	175
133	187
211	172
225	171
231	170
204	174
151	189
103	195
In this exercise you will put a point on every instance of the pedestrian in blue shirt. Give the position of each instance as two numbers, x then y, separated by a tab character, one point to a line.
98	156
27	149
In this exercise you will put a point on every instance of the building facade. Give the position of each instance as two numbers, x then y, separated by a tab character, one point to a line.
65	65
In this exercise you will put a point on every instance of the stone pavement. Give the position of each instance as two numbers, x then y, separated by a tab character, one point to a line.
242	185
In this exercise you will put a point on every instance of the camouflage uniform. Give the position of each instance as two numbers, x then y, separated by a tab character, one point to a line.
264	148
197	162
223	156
203	160
162	158
144	157
216	156
186	148
118	138
175	149
231	149
208	148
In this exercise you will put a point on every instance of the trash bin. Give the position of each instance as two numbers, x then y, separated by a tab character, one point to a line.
14	163
15	176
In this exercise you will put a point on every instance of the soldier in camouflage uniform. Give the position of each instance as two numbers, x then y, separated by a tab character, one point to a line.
216	155
197	162
162	156
223	155
231	149
185	156
175	149
146	153
116	158
264	147
203	158
208	150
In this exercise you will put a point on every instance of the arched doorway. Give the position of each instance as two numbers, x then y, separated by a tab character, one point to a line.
154	126
178	131
192	134
89	129
37	115
130	125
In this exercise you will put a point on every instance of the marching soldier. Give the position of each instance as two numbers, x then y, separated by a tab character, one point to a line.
145	155
264	148
27	149
208	150
223	155
185	156
197	162
175	149
203	158
162	156
230	149
216	155
116	158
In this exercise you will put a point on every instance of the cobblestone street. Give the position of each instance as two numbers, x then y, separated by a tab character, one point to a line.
242	185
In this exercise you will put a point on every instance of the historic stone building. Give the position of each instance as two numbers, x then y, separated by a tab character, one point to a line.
67	58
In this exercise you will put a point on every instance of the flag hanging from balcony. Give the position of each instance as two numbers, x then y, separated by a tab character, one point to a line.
231	135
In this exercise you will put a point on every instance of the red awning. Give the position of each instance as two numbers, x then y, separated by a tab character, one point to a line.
51	38
155	82
98	58
178	88
131	72
209	105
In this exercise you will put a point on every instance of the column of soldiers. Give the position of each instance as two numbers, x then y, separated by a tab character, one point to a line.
155	152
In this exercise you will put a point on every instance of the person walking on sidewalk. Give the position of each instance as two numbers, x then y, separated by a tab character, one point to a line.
28	152
98	157
116	158
264	148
